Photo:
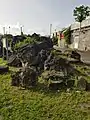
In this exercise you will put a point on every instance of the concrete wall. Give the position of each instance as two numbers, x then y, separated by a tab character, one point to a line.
84	40
81	40
76	25
61	43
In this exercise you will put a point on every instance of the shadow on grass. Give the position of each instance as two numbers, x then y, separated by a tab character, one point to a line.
41	88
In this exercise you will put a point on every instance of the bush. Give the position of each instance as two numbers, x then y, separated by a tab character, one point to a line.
55	40
67	35
28	40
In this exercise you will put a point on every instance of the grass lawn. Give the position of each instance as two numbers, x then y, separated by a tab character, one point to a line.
40	104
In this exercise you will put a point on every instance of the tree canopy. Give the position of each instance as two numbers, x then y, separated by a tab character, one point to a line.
81	13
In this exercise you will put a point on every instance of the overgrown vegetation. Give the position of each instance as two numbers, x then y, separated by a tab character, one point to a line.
67	35
40	103
28	40
55	40
2	62
35	38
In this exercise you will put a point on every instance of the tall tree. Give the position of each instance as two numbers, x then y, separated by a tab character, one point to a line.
80	13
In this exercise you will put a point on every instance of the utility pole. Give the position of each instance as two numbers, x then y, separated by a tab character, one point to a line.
4	30
7	48
5	45
3	41
9	29
50	30
21	28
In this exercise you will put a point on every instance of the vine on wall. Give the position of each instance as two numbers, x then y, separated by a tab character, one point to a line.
67	35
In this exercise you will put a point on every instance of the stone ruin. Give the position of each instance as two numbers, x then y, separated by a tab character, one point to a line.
28	53
39	60
25	77
4	69
31	58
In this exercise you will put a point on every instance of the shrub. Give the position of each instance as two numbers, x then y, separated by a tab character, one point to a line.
28	40
67	35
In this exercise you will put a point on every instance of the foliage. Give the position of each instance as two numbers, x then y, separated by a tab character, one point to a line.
81	13
36	36
28	40
55	40
67	35
8	36
2	62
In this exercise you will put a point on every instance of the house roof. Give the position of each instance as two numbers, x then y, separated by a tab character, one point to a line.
85	23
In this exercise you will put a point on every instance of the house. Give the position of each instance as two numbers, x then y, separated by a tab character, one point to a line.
60	38
80	39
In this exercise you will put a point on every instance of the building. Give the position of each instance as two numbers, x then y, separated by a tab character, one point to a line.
60	37
80	39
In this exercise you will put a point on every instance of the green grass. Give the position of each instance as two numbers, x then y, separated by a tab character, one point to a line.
41	104
2	62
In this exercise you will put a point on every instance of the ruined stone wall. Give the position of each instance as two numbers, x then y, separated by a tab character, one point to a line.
81	40
85	40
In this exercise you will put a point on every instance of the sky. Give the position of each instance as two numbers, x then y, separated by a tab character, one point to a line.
37	15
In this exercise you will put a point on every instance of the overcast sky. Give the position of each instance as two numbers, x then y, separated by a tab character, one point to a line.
37	15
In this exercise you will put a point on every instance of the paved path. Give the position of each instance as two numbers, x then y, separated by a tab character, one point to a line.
85	56
60	49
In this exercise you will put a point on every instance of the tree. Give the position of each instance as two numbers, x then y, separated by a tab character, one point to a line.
67	35
80	13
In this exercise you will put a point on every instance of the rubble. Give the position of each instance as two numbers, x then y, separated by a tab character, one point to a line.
88	86
25	77
39	60
3	69
57	80
28	53
32	58
14	61
73	56
46	65
57	85
81	84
